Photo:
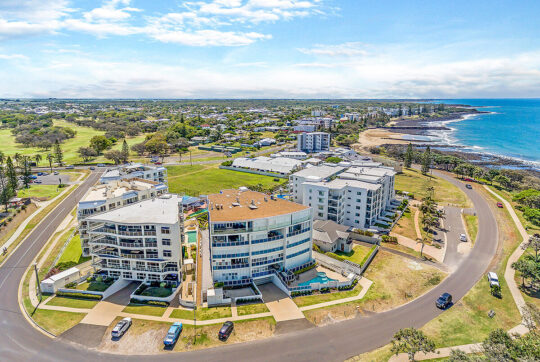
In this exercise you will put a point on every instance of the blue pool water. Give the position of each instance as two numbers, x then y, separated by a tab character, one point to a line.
320	278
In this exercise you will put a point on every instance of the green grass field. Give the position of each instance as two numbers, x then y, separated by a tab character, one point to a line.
200	180
144	309
69	147
73	252
202	313
252	309
357	255
444	192
471	222
49	191
72	302
56	321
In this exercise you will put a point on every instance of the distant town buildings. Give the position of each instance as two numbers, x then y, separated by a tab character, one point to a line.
313	142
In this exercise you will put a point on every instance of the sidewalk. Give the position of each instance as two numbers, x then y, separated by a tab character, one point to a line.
429	250
364	282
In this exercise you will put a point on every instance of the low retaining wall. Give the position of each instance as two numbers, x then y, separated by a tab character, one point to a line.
367	239
157	299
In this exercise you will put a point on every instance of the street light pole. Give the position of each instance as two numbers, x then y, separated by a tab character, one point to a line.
37	280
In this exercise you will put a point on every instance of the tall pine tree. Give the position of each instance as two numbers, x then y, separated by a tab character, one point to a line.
58	154
409	154
11	175
125	151
426	160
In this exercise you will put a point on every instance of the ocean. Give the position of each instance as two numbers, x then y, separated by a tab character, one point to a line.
510	130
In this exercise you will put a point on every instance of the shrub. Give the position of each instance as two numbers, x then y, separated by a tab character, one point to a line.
218	284
79	295
496	291
316	248
227	163
71	285
149	302
305	269
389	239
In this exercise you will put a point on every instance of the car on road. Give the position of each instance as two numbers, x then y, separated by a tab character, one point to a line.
444	301
225	330
468	179
121	327
157	163
100	165
493	279
37	181
92	168
462	237
499	205
56	172
468	186
32	177
40	173
70	167
173	334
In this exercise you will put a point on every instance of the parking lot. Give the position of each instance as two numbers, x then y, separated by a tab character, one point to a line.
52	179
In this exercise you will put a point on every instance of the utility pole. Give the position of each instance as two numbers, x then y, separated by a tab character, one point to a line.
195	323
190	161
37	280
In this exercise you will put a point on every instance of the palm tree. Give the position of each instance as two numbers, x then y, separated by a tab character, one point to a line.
50	158
423	241
17	158
38	158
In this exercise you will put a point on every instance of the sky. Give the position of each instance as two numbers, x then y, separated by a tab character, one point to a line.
269	49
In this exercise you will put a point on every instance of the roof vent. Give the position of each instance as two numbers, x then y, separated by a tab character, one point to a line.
252	205
235	204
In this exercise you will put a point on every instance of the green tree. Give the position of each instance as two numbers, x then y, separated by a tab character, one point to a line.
11	175
334	159
50	158
503	181
426	161
409	155
411	341
38	158
125	151
100	144
26	171
116	156
6	192
58	154
526	268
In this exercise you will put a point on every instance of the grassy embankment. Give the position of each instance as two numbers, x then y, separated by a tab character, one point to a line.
252	309
203	313
203	179
145	309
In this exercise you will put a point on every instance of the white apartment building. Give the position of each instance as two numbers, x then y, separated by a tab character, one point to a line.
278	165
313	142
311	174
141	241
355	196
297	155
113	195
253	235
147	172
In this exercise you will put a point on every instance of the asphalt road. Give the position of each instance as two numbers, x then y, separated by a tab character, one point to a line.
335	342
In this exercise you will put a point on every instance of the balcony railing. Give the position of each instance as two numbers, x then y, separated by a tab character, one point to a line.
265	240
235	230
130	233
149	233
132	245
132	256
298	232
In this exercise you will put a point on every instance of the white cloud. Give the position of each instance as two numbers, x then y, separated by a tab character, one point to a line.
13	57
349	49
207	37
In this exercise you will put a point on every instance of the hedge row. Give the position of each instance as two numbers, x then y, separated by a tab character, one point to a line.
305	269
79	295
149	302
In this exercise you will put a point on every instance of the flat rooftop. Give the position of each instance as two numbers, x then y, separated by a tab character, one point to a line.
117	189
323	171
162	210
341	183
265	206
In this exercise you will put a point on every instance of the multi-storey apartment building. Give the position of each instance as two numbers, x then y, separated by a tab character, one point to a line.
354	196
141	241
114	195
313	142
147	172
253	235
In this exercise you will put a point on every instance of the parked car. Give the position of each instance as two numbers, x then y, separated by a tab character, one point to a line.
157	163
56	172
92	168
33	177
468	186
499	205
226	330
70	167
40	173
462	237
100	165
121	327
44	173
493	279
173	334
444	301
37	181
468	179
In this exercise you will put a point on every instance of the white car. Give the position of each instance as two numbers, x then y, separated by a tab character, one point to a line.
493	279
121	327
462	237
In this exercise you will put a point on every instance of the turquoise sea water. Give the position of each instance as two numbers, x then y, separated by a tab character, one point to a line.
511	129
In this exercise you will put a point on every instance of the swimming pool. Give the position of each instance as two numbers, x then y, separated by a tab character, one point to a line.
192	237
320	278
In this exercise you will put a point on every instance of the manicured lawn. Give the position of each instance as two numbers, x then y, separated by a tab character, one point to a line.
73	252
203	313
444	192
94	286
56	321
471	222
467	321
252	309
72	302
326	297
36	190
212	180
357	255
145	309
157	292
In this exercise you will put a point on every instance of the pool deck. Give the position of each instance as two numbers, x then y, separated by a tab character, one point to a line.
310	274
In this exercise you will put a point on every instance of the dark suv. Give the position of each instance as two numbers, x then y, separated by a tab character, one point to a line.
444	301
226	330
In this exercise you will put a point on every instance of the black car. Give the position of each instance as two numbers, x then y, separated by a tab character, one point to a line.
226	330
444	301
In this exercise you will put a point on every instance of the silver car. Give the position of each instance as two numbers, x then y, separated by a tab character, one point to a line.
121	327
493	279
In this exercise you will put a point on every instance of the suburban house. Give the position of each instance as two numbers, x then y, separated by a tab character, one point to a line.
330	236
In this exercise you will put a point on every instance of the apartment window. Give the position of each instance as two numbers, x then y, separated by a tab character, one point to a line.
126	275
321	207
356	221
358	200
167	253
321	193
359	193
320	214
357	214
166	241
141	275
165	230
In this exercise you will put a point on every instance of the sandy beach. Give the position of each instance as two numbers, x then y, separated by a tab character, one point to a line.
377	137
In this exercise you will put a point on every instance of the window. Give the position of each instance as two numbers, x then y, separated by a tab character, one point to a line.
166	241
165	230
167	253
320	214
357	214
359	193
126	275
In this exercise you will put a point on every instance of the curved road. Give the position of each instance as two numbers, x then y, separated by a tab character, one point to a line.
335	342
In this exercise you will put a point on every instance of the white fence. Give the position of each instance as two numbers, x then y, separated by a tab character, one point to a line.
115	287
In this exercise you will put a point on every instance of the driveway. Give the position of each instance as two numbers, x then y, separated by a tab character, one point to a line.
280	305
